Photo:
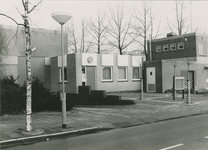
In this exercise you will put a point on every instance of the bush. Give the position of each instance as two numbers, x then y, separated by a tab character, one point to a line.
202	91
12	96
179	91
40	95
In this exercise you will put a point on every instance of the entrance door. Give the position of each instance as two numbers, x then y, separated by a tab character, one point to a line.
151	85
191	78
91	77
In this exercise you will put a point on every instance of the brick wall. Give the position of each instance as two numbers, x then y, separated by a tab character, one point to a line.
188	51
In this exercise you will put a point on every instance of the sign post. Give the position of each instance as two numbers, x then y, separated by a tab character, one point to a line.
141	87
189	97
178	84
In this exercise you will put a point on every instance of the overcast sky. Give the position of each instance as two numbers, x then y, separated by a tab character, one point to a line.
41	17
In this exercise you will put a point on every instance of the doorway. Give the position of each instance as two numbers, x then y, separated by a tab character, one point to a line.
150	75
90	73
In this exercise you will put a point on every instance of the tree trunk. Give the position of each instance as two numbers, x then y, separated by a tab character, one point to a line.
28	72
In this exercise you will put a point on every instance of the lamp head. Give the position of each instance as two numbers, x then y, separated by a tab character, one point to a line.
61	17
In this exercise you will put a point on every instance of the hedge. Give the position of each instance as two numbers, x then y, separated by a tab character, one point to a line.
13	97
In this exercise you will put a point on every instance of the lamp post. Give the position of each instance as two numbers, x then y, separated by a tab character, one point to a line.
62	18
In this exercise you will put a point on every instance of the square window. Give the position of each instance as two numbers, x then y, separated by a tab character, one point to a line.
107	74
180	45
202	50
158	48
122	73
135	74
165	47
65	74
173	47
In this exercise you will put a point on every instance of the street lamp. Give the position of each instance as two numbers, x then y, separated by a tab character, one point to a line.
62	18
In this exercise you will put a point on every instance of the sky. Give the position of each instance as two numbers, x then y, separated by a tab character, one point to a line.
41	17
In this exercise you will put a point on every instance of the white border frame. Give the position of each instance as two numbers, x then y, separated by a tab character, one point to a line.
204	49
179	45
166	46
179	78
171	45
60	80
126	73
133	73
157	47
107	80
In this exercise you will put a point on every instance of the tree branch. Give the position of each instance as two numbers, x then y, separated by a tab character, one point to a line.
19	24
34	6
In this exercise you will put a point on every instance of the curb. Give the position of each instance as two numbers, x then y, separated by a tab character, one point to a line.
47	137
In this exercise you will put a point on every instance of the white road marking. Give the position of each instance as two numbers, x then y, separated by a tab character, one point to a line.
171	147
206	137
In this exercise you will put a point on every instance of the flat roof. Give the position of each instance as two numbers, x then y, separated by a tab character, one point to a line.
179	36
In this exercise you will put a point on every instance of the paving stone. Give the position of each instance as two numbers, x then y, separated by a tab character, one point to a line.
147	111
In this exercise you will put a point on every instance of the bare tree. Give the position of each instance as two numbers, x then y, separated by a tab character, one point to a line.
79	43
98	31
144	26
181	23
120	28
86	41
26	24
72	39
2	48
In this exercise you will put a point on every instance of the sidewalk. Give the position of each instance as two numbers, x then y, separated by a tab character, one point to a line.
83	120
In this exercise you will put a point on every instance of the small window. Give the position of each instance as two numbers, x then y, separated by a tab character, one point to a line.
107	74
207	82
122	73
65	74
173	47
202	50
135	74
165	47
158	48
180	46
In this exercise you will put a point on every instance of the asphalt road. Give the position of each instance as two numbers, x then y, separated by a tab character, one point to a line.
189	133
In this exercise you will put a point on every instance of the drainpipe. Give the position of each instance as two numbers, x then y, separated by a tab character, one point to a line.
150	55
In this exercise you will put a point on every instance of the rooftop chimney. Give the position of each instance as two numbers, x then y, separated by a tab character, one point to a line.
171	34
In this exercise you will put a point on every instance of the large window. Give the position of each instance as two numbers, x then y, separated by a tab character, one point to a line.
180	46
135	74
65	74
107	74
122	73
202	50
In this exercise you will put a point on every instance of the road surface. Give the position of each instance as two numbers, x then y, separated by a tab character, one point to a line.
190	133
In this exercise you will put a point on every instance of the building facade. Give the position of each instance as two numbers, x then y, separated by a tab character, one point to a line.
183	55
100	71
110	72
47	43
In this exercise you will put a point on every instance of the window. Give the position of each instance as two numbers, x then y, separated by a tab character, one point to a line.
180	46
65	74
202	50
173	47
165	47
107	74
122	73
135	74
158	48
